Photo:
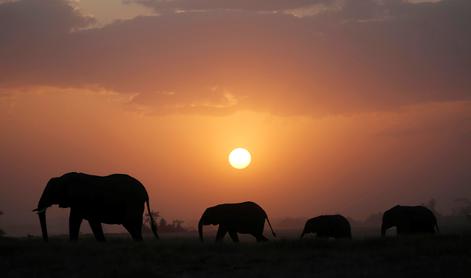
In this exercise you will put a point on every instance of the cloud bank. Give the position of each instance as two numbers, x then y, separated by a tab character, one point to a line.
282	57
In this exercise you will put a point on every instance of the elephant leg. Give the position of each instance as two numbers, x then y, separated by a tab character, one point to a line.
221	233
133	222
75	220
258	232
135	230
234	236
260	237
97	230
138	230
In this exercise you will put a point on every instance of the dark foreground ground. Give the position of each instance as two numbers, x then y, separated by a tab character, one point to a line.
440	256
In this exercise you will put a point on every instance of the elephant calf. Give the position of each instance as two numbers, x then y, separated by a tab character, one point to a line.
326	226
244	218
113	199
409	220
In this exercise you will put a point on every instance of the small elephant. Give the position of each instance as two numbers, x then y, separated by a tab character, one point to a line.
113	199
326	226
244	218
409	220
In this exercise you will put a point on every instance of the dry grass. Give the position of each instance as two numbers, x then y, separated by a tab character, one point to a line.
186	257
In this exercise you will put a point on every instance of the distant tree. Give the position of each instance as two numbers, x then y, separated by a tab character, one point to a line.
163	225
177	223
146	221
155	215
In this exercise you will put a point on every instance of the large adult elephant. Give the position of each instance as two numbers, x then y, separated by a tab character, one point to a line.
113	199
409	220
243	218
326	226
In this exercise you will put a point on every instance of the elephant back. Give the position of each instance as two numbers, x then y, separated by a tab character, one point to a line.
246	212
108	191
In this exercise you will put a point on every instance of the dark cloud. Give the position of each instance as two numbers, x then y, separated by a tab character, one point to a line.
367	55
39	17
253	5
359	6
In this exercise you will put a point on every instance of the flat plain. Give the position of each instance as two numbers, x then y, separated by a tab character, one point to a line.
437	256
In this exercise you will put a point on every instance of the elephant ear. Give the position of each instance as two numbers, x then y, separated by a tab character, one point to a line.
63	192
64	201
211	216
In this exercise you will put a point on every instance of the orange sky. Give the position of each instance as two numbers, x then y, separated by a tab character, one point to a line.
346	108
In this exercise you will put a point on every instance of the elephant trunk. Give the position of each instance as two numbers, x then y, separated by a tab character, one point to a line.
43	204
41	211
200	229
42	220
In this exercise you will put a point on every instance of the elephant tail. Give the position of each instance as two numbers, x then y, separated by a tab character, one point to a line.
153	225
268	221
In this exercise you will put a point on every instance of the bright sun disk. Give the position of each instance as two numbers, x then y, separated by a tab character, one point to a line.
240	158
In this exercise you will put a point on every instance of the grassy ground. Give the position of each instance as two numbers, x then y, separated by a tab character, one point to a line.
438	256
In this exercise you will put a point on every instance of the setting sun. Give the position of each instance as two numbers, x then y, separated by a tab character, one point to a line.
240	158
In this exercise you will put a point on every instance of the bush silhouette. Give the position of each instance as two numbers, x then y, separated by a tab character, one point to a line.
164	226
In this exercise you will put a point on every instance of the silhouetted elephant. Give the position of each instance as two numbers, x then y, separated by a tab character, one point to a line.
244	218
409	220
326	226
113	199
